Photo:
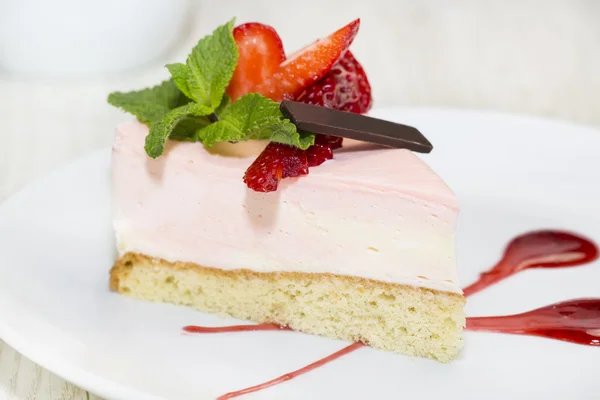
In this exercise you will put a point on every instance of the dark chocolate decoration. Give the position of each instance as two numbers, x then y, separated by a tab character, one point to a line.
327	121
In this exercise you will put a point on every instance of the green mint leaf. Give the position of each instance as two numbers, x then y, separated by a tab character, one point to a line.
282	133
305	139
149	105
254	116
220	131
187	129
179	73
208	68
162	129
225	102
251	111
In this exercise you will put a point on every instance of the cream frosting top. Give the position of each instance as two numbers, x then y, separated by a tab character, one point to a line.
376	213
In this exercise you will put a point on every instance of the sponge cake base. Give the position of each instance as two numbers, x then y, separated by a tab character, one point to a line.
399	318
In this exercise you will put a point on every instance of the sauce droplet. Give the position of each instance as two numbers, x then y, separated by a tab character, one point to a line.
540	249
576	321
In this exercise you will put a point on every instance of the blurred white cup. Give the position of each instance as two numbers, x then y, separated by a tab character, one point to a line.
84	38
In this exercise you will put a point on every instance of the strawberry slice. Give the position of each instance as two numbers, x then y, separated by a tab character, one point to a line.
277	161
307	66
260	55
344	88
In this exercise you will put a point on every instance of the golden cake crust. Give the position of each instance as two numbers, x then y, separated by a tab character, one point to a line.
394	317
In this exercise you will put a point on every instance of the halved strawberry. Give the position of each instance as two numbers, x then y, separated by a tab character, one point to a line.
345	88
307	66
260	55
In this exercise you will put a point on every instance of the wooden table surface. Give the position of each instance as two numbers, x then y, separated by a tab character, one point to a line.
44	125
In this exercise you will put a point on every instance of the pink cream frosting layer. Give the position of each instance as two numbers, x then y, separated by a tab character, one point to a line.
376	213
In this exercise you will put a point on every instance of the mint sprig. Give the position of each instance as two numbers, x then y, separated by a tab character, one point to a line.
151	104
193	106
254	116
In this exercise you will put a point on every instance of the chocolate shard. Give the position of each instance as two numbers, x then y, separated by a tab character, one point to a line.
316	119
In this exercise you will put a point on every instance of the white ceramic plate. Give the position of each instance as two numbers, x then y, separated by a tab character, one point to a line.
511	174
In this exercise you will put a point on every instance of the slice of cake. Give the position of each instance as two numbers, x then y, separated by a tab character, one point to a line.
360	249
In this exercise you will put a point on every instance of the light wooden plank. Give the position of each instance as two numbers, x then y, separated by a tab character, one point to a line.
22	379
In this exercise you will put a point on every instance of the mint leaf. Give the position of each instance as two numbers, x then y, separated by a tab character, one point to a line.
162	129
187	128
305	139
253	116
224	103
179	73
283	134
208	68
259	117
220	131
149	105
251	111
